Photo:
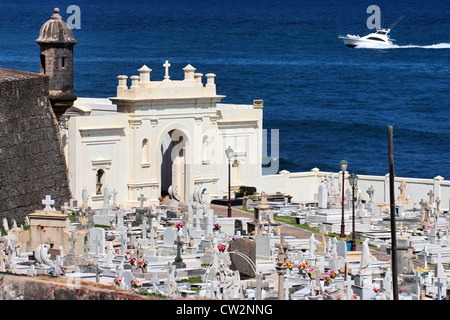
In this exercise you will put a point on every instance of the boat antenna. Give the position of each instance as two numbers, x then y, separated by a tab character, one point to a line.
395	22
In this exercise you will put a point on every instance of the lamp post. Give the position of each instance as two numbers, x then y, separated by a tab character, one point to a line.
229	153
353	180
344	165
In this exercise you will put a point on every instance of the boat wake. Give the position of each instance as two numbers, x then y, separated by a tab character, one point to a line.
443	45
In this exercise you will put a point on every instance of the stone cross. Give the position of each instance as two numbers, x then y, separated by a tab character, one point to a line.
48	202
417	279
283	248
97	243
144	229
178	260
123	243
155	282
402	188
152	235
440	292
166	65
431	195
141	200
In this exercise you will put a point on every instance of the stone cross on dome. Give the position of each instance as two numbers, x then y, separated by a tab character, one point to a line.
166	65
48	202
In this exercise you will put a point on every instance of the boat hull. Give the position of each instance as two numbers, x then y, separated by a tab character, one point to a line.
353	43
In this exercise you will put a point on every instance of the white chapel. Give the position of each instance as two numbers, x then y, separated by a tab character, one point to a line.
154	134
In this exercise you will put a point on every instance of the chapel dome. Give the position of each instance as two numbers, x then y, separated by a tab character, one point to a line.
56	31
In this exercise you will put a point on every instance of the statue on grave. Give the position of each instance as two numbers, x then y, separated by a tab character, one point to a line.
42	256
263	199
198	197
312	246
366	256
84	199
106	196
438	204
173	193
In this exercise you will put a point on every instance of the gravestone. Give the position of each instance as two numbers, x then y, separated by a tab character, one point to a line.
323	195
178	263
97	234
245	249
342	248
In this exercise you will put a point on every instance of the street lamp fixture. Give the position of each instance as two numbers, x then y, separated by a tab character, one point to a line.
229	152
353	180
344	165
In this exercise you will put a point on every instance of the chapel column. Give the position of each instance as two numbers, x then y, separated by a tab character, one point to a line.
134	154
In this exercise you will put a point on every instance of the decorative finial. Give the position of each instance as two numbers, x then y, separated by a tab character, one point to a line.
56	15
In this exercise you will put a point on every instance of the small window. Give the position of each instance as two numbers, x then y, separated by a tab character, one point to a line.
100	181
42	64
63	62
145	151
377	39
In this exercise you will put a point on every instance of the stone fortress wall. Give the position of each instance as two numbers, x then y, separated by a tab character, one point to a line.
32	162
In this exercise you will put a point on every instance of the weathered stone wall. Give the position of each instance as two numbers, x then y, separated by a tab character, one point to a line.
32	163
17	287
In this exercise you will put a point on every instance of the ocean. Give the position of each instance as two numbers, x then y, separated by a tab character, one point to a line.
329	102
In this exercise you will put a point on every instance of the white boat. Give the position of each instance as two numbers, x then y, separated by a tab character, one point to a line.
380	38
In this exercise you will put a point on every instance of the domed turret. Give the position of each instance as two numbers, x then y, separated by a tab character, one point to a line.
57	41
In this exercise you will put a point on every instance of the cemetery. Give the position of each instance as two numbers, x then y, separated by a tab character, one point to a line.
184	250
144	211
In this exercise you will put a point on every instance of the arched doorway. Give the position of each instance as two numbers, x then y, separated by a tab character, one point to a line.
173	164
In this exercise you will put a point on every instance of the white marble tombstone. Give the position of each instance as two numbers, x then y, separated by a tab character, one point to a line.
93	233
323	195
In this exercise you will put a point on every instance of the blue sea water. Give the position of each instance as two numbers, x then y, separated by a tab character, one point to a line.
329	102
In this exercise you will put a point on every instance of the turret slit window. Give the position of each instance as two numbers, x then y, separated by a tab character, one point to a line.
63	62
42	64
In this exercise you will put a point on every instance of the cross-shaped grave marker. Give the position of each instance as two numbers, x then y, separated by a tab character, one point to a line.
123	243
417	279
48	202
141	200
431	195
178	260
440	292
